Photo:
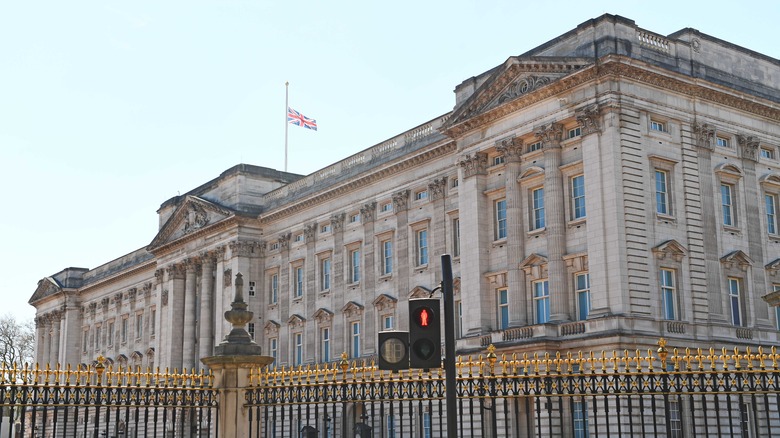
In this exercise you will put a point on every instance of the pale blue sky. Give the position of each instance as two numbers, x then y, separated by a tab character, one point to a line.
109	108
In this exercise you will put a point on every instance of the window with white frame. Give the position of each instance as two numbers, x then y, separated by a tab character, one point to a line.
669	299
735	301
498	159
386	207
535	146
541	301
537	208
355	339
274	246
298	280
662	192
325	228
354	265
746	419
420	195
273	347
252	289
388	322
578	197
675	419
325	273
273	288
722	142
298	237
580	418
297	349
503	308
499	209
727	204
250	328
770	206
387	257
426	425
354	218
454	183
582	292
85	341
325	344
768	153
421	247
657	125
390	422
574	132
456	237
139	325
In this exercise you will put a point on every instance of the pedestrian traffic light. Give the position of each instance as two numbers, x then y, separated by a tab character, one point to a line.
424	333
394	350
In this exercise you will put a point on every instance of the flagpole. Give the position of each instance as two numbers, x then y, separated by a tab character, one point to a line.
286	123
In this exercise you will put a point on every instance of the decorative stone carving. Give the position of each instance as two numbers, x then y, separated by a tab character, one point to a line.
271	328
696	45
176	270
296	321
589	119
474	164
672	249
749	146
437	188
118	298
511	148
323	316
196	218
368	212
522	86
704	135
309	231
284	240
352	309
243	248
401	201
158	275
92	308
131	293
738	259
147	289
164	297
104	303
337	221
227	276
385	302
550	134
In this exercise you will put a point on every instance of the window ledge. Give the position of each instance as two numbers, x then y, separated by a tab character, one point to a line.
387	276
297	300
325	293
537	232
421	268
660	217
499	242
354	285
577	222
733	230
272	306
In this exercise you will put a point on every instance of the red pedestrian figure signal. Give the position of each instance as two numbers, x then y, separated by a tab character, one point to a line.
424	318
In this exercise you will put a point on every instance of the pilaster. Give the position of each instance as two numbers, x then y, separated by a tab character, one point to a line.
437	190
176	297
400	208
367	215
188	342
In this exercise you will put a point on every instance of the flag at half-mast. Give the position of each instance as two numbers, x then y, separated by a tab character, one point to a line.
299	119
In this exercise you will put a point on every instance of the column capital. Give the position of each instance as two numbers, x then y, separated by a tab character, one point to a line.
175	270
437	188
284	241
749	145
401	201
243	248
704	134
309	232
475	164
337	221
158	275
589	119
511	148
368	212
550	134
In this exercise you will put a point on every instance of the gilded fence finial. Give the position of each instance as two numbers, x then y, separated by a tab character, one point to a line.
491	357
344	363
662	352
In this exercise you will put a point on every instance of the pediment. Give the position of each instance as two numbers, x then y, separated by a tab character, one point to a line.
191	216
670	248
323	315
738	258
384	301
46	287
420	292
296	321
517	78
351	309
772	179
535	265
271	328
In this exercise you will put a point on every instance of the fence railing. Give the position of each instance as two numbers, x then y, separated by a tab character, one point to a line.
656	393
105	401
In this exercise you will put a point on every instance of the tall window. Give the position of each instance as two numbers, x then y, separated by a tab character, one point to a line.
538	208
387	257
85	341
580	418
325	345
251	330
675	419
735	298
770	201
325	274
97	336
298	348
661	192
252	288
727	203
459	319
139	325
456	237
422	247
388	322
152	319
110	340
500	213
390	426
355	345
541	301
298	291
582	291
746	419
124	330
273	288
669	294
775	288
578	197
273	347
426	425
354	266
503	309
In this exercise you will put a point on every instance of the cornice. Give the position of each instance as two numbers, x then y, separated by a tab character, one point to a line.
359	183
621	67
121	275
167	248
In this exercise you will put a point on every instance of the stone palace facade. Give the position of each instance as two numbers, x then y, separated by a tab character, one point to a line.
604	189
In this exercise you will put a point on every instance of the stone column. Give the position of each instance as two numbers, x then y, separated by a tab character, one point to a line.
338	284
437	190
188	328
555	221
310	297
56	321
72	328
206	337
400	208
512	149
756	312
47	340
176	315
40	333
285	289
475	231
704	141
367	282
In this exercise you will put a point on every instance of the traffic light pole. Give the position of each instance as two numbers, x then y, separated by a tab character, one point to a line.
449	347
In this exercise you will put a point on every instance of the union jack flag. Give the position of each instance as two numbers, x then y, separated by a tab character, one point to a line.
299	119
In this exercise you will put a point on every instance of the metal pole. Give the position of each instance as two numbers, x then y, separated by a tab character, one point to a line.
449	347
286	122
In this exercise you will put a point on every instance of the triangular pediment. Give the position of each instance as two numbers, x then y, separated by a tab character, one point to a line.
738	258
385	301
271	328
193	215
420	292
516	79
671	249
46	287
323	315
351	309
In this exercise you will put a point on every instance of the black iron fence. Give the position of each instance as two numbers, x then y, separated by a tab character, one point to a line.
687	393
96	401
